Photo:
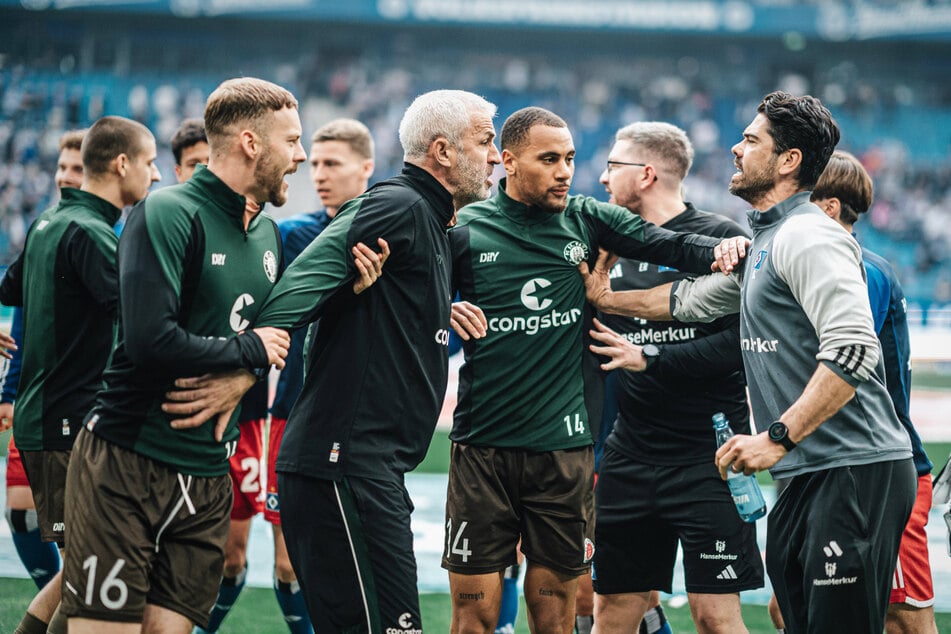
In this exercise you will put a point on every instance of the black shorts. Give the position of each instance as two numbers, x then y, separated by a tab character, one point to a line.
351	546
498	495
832	544
140	533
46	471
645	510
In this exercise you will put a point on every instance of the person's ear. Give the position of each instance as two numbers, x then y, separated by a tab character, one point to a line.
250	144
509	162
790	161
121	164
443	152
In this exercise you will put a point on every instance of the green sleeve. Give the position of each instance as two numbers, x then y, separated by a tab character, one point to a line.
312	278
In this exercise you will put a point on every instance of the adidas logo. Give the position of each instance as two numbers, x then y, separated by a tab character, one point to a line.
832	549
727	573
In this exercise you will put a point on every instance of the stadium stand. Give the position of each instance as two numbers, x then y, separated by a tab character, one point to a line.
63	69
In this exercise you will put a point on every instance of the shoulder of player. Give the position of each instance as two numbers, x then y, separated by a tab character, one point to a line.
804	236
481	211
705	222
806	229
588	205
395	192
879	264
877	267
173	202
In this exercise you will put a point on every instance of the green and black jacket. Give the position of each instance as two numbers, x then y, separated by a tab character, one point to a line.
191	278
377	364
65	279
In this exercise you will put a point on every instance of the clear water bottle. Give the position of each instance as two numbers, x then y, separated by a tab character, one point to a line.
745	490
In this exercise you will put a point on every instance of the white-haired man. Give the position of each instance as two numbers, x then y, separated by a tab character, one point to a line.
376	370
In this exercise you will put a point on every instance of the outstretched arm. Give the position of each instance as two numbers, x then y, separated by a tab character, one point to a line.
652	303
197	399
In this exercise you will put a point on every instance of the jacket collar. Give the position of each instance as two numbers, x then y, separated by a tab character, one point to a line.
225	198
71	196
518	211
778	211
432	190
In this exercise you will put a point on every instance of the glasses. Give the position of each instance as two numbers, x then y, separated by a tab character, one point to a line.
612	164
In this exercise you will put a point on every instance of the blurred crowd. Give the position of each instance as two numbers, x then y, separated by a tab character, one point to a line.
892	118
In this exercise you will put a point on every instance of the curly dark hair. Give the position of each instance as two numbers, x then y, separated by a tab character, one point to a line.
803	123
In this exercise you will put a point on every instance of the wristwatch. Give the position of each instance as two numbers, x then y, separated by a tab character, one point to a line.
779	434
651	353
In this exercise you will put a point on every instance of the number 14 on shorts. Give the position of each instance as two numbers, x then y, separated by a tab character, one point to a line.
457	544
574	426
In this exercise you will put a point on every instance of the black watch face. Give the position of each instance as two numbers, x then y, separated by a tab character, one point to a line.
777	431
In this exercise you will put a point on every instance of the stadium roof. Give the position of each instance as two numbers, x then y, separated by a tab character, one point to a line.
835	21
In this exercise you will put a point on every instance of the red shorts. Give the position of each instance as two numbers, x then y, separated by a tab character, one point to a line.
246	471
16	475
912	583
272	504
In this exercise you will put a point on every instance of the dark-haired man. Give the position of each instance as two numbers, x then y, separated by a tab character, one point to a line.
814	374
40	558
190	148
522	462
195	263
66	281
69	164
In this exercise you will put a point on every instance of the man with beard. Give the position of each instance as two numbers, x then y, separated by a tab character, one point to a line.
147	504
190	149
377	370
813	367
522	462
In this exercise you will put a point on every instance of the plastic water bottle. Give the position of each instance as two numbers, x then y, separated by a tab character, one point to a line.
745	490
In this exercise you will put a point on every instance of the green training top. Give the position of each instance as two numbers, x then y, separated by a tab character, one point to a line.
530	383
65	279
191	278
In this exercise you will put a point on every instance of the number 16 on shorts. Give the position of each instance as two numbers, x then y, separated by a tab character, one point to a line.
113	592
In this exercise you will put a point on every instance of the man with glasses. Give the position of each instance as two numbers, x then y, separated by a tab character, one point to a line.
657	477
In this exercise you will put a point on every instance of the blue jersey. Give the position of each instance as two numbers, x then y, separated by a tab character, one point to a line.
10	373
296	233
891	324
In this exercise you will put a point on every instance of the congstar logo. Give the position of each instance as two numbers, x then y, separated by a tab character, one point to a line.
528	294
533	298
236	321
